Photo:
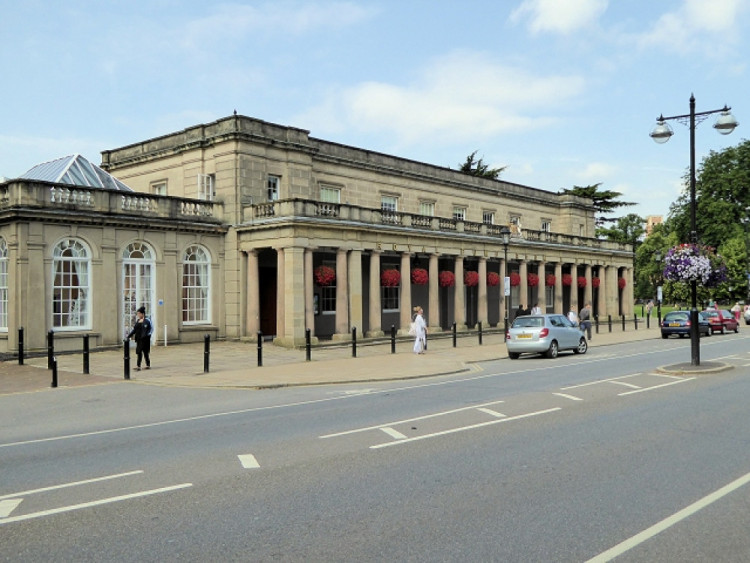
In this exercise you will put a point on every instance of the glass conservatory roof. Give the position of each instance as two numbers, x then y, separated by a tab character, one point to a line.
77	171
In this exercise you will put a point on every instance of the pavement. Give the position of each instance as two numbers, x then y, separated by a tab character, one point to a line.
234	364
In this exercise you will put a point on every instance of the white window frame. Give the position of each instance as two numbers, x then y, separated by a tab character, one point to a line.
390	301
196	286
71	267
206	186
459	213
546	226
138	285
330	194
488	217
389	203
427	208
273	187
159	187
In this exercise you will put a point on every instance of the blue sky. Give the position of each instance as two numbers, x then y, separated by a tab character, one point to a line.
562	92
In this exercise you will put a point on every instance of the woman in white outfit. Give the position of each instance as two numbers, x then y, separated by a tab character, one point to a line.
421	331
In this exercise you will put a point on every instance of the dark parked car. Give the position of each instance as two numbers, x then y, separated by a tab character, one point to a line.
678	323
722	320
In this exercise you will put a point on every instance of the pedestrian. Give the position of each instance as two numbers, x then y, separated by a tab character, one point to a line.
141	333
649	307
420	331
737	310
573	316
536	309
585	317
521	311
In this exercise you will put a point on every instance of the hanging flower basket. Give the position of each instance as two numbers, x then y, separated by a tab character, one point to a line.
390	278
493	279
621	283
581	281
515	279
419	276
324	276
550	280
595	282
533	280
694	262
471	278
446	279
567	279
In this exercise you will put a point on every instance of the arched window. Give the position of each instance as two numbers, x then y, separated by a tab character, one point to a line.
138	283
196	286
71	289
3	286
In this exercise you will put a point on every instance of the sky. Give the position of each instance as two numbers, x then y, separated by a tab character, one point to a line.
562	93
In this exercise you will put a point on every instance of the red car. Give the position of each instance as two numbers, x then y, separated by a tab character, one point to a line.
721	320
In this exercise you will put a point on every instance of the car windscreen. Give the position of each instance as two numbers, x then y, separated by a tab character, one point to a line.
528	322
674	317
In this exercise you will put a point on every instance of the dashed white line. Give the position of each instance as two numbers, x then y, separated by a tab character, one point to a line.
9	505
393	433
492	413
625	384
566	396
73	484
248	461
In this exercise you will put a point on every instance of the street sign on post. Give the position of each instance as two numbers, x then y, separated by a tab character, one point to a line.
507	286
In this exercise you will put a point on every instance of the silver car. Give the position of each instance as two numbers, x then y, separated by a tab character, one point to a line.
544	334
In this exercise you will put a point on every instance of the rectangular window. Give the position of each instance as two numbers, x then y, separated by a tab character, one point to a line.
459	213
546	226
549	294
206	187
488	217
328	299
427	208
389	203
330	195
273	188
159	188
389	299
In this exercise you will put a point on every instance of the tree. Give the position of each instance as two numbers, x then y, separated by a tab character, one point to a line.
479	168
628	230
647	270
605	201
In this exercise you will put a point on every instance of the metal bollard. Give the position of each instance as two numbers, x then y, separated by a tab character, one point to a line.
623	322
308	346
648	321
126	358
480	332
260	349
609	321
54	372
86	354
50	348
596	323
206	352
393	339
354	342
454	335
20	346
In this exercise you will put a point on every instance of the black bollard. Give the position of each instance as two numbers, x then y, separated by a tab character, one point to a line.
54	372
393	339
50	348
596	323
20	346
480	332
126	358
454	335
206	352
260	349
648	321
609	321
623	322
354	342
86	354
308	346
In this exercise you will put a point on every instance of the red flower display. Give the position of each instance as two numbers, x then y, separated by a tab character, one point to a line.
567	279
471	278
390	278
515	279
550	280
324	276
621	283
446	279
493	279
581	281
419	276
595	282
533	280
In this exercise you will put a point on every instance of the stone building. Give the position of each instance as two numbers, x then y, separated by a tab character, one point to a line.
240	226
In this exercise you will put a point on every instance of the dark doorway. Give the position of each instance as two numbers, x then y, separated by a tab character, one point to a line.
268	295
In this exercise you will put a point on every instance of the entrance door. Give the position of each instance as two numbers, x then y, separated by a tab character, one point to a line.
138	273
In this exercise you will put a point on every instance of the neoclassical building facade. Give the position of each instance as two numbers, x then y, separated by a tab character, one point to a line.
241	226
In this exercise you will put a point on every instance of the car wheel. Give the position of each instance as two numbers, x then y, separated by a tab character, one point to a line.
513	355
582	347
708	332
737	328
553	349
664	336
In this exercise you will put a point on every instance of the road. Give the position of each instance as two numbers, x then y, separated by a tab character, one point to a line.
580	458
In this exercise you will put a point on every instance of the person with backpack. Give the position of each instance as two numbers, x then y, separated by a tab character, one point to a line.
141	333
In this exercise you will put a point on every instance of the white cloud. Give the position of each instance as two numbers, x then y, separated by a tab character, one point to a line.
598	171
560	17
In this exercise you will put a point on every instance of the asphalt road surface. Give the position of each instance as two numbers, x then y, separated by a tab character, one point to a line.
580	458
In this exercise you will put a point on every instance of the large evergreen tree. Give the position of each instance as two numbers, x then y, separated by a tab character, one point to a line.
605	201
479	168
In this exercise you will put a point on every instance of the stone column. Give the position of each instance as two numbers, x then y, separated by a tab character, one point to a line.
588	292
375	311
482	293
602	295
252	315
459	308
541	291
558	289
342	296
280	295
433	318
309	292
612	305
629	289
524	288
355	291
503	271
406	312
294	293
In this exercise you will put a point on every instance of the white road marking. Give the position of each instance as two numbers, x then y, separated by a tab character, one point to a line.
598	381
566	396
670	521
404	421
493	413
8	506
626	384
248	461
73	484
463	428
92	503
655	387
393	433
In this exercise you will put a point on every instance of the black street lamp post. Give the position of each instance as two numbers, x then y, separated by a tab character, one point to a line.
658	257
505	237
725	124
